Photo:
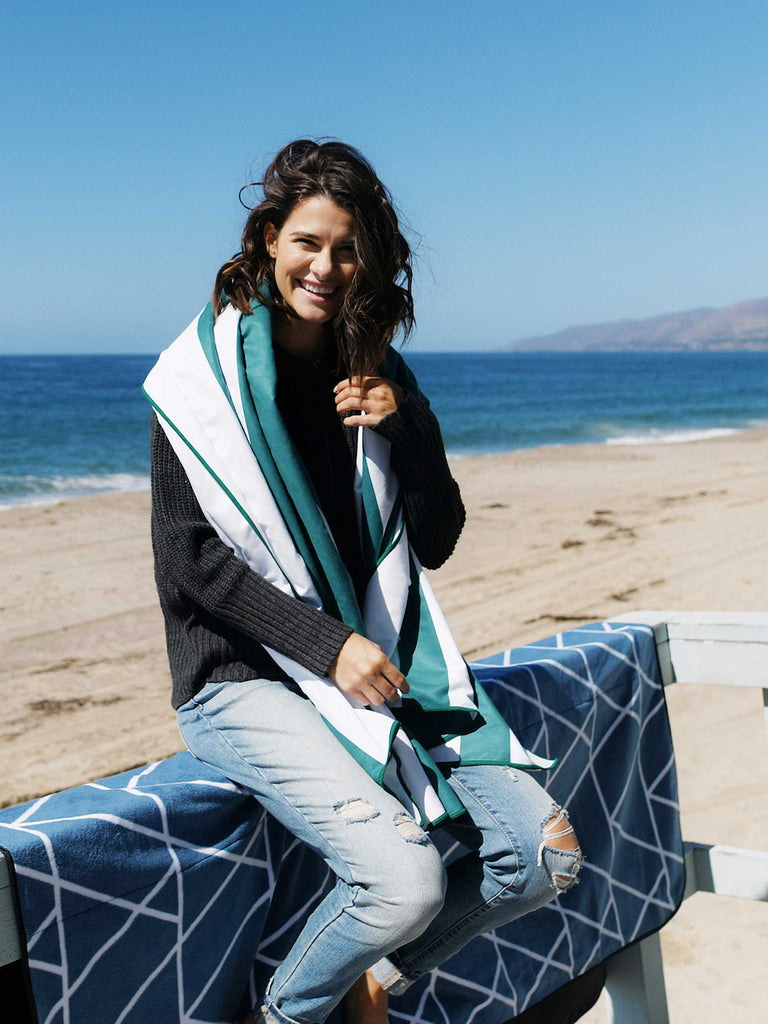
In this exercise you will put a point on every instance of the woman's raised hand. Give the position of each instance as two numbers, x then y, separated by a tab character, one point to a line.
369	399
363	671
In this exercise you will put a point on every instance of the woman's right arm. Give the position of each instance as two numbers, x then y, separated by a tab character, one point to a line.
190	556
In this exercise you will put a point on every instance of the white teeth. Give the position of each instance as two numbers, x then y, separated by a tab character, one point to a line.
316	289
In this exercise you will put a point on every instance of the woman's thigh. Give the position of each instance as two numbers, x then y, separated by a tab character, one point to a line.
274	743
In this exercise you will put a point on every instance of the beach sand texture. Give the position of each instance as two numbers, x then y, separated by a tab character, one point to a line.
555	537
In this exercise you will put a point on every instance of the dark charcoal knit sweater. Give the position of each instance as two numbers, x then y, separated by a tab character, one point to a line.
218	612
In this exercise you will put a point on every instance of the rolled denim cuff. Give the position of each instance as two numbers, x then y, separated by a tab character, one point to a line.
390	977
270	1013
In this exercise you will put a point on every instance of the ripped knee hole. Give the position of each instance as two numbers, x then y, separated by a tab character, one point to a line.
356	810
408	828
559	837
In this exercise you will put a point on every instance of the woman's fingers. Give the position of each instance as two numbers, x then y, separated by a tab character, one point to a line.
368	399
363	671
378	392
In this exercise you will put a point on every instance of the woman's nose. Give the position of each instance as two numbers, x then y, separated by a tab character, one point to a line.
322	264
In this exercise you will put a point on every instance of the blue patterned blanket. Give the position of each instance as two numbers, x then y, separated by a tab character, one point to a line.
145	895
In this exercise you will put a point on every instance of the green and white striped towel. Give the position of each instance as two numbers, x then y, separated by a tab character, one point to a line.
214	393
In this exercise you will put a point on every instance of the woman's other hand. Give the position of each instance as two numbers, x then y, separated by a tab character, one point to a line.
369	399
364	672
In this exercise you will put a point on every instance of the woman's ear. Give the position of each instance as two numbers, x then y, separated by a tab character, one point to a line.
270	239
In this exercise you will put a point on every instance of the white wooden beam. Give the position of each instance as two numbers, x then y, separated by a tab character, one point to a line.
726	871
709	648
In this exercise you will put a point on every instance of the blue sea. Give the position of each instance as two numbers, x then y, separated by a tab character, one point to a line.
72	425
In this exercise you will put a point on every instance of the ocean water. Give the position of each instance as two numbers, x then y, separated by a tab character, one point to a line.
493	402
72	425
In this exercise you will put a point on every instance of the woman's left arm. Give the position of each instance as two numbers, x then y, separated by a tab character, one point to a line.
434	511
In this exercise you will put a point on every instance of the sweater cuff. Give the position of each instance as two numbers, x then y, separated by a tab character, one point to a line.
318	645
286	624
411	419
418	454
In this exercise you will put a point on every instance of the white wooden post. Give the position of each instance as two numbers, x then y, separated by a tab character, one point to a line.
716	649
16	1000
10	947
635	985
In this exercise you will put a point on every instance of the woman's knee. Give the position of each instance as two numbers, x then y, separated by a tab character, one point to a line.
546	864
422	887
411	891
559	852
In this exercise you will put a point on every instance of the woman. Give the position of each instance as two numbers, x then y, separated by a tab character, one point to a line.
299	479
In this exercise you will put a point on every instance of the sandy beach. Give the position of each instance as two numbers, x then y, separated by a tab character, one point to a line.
555	537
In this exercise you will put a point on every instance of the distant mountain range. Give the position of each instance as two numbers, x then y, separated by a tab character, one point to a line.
741	326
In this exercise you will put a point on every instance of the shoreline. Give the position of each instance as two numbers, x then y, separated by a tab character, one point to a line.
671	438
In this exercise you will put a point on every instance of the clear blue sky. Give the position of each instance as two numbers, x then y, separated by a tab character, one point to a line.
560	162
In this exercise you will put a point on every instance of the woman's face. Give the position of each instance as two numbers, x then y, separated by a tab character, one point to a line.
314	254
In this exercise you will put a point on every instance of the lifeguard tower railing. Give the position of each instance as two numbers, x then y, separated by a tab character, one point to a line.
711	649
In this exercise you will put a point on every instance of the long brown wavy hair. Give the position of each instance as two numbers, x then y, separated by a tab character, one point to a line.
379	301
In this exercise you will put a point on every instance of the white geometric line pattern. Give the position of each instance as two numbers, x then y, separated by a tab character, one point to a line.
145	895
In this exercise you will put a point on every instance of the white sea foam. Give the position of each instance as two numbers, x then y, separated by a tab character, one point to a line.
31	490
657	436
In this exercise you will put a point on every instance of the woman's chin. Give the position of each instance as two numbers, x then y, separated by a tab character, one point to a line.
314	312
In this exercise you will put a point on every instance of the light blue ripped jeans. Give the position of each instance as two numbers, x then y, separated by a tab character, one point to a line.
395	908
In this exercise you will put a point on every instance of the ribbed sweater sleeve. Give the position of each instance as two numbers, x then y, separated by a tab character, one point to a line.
434	512
195	566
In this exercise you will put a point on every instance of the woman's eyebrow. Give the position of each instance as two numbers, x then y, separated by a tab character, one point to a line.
315	238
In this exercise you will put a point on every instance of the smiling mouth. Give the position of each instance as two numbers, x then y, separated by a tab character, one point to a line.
316	289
